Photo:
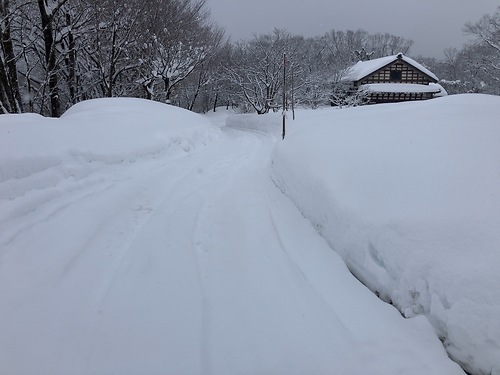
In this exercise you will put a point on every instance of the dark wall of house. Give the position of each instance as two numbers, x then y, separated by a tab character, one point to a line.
398	72
394	97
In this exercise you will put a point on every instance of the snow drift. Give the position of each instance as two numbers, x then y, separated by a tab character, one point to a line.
101	129
137	238
408	194
47	151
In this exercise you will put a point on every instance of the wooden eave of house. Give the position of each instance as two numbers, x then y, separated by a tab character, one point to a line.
364	69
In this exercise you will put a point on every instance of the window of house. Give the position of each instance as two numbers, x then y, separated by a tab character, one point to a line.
396	75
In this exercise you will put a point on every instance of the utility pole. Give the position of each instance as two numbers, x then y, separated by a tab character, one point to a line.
293	96
284	95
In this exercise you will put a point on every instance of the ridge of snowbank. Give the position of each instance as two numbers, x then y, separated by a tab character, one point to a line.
37	148
408	195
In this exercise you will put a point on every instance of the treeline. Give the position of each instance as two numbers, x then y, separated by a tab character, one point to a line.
58	52
55	53
474	68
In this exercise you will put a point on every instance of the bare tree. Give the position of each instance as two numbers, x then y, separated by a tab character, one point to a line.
48	11
487	30
77	20
387	44
487	47
256	68
112	49
55	53
179	38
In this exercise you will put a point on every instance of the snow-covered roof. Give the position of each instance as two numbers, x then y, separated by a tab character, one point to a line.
365	68
401	88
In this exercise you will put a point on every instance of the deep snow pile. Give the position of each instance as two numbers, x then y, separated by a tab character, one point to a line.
100	130
38	152
409	195
137	238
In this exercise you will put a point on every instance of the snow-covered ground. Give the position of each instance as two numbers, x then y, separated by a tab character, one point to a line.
409	195
137	237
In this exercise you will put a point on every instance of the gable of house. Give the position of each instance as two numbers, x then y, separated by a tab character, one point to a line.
398	71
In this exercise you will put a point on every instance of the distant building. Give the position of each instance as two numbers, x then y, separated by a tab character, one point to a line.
392	79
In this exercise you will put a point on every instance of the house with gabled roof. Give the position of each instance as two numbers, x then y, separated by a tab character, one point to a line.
392	79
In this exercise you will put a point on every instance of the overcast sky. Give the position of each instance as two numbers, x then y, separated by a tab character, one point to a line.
433	25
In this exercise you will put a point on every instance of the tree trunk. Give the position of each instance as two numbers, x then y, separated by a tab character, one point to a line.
8	75
71	63
112	67
197	92
5	103
50	59
215	101
168	89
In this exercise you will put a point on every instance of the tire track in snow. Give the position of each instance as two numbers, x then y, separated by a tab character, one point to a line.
226	172
302	274
170	191
46	208
185	197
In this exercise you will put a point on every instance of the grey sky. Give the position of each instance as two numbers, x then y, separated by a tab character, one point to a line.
433	25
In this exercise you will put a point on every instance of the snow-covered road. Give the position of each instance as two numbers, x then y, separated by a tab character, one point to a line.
191	264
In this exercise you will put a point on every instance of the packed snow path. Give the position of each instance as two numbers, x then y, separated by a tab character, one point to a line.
193	264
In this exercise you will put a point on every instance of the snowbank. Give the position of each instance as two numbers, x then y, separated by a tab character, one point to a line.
164	129
176	263
408	194
102	131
